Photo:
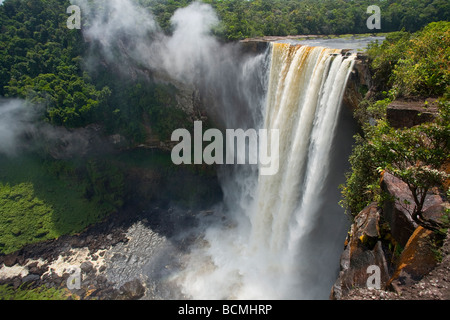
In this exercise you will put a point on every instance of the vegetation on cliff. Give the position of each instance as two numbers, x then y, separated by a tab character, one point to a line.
407	66
44	63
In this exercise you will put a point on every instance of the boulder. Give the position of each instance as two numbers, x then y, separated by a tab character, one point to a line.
11	259
132	290
363	250
87	267
417	259
436	211
30	278
397	212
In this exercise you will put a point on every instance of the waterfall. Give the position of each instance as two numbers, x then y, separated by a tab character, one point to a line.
275	249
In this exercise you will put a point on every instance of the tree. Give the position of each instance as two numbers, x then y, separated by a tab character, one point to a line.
415	155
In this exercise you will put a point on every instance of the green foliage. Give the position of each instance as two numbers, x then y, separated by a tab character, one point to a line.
362	183
138	108
445	223
425	69
415	155
106	184
253	18
385	56
24	218
165	116
40	61
413	64
7	292
44	199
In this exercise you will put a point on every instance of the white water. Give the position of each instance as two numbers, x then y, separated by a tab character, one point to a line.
270	251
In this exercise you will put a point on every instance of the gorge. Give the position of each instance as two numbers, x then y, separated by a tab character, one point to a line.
276	236
88	181
288	229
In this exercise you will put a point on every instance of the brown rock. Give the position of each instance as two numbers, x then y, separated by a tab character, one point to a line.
132	290
11	259
417	259
398	212
436	211
401	114
363	250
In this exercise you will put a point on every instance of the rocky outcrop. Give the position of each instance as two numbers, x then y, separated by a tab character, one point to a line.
398	208
359	82
406	114
131	255
417	259
376	238
363	250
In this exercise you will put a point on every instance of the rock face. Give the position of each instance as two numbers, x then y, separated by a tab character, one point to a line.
359	82
433	286
406	114
417	259
363	250
375	239
397	212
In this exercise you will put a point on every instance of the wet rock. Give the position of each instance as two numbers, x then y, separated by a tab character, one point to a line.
30	278
86	267
132	290
11	259
359	82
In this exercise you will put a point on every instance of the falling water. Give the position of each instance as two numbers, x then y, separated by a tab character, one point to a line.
271	252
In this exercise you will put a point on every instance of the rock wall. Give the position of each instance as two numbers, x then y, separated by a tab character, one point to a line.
359	83
387	237
403	113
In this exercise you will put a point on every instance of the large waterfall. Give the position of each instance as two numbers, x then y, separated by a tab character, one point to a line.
287	229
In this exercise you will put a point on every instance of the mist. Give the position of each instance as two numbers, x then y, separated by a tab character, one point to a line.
233	87
24	130
16	120
128	33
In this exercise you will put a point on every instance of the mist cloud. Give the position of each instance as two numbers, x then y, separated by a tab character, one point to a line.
22	130
127	32
131	40
16	120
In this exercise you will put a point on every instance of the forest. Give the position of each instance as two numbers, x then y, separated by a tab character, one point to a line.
255	18
43	62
